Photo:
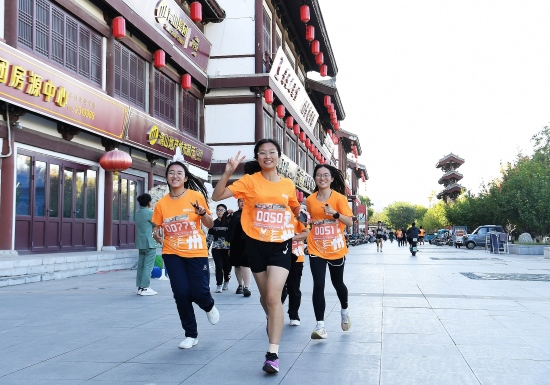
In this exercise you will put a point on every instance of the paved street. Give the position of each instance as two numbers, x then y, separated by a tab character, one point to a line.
416	320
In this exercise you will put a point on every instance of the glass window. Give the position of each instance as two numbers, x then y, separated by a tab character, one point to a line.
52	33
67	192
116	201
40	188
130	76
302	159
266	37
190	115
23	186
54	190
79	198
268	125
165	98
290	149
280	133
91	182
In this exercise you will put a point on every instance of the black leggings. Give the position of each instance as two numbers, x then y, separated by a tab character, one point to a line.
318	267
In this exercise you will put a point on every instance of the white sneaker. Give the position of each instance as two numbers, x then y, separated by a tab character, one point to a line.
147	291
294	322
139	291
346	322
218	288
188	343
225	286
213	315
319	334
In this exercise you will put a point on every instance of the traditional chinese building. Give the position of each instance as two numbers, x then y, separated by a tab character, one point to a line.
272	75
121	81
452	189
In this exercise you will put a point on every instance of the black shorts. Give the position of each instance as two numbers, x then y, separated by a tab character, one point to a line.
263	254
237	253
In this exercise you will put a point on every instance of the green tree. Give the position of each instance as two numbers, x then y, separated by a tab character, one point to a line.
434	218
399	214
365	200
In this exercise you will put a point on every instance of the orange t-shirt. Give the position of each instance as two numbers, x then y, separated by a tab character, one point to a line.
326	238
298	246
267	214
398	233
422	231
183	234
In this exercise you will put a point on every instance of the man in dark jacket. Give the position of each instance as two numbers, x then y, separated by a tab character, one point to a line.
412	232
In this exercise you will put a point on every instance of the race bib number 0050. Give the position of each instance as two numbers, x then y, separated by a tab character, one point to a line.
268	216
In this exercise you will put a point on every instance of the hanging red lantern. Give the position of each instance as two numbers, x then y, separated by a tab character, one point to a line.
307	142
333	121
196	11
315	47
281	111
119	28
115	161
319	58
297	194
311	147
268	95
159	59
186	82
296	129
323	70
289	121
310	33
336	125
302	136
304	14
330	108
326	101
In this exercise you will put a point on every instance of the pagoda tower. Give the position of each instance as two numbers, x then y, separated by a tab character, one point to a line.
449	164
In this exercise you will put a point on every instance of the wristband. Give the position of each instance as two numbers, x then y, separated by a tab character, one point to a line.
203	214
336	215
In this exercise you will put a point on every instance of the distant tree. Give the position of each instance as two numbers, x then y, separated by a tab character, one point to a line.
365	200
434	219
399	214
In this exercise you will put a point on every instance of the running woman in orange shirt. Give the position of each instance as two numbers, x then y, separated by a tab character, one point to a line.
177	220
269	204
330	214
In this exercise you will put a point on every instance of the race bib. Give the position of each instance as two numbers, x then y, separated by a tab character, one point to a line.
179	227
298	248
269	216
323	230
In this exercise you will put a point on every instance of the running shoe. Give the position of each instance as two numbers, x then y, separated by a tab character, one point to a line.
147	291
271	363
246	292
188	343
346	322
213	315
239	289
218	288
319	334
294	322
225	286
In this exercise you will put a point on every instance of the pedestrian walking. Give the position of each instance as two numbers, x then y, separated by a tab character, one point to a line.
269	204
217	235
379	236
292	285
146	244
178	217
330	214
237	255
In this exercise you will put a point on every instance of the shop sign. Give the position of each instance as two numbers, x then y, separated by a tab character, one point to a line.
301	178
33	85
167	17
156	137
288	84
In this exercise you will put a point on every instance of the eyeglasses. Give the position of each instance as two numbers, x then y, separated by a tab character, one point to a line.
270	153
220	210
321	176
178	173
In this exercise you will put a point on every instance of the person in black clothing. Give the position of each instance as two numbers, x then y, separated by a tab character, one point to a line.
217	235
379	236
412	232
237	256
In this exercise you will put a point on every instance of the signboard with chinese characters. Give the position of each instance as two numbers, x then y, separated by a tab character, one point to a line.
287	82
170	20
301	179
156	137
31	84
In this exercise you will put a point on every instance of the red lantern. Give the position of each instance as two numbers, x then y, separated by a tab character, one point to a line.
323	160
335	139
319	58
333	121
186	82
289	121
115	161
296	129
336	125
302	136
196	11
315	47
333	116
268	95
119	28
281	111
330	108
159	59
304	13
326	101
323	70
307	142
310	33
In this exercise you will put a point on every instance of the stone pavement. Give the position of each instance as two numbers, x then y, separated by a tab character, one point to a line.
416	320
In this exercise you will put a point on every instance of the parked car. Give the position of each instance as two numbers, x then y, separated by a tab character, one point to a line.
458	235
477	238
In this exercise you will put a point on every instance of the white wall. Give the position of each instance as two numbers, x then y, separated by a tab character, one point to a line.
229	123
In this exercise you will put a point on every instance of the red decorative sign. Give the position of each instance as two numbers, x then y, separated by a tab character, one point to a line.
156	137
31	84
